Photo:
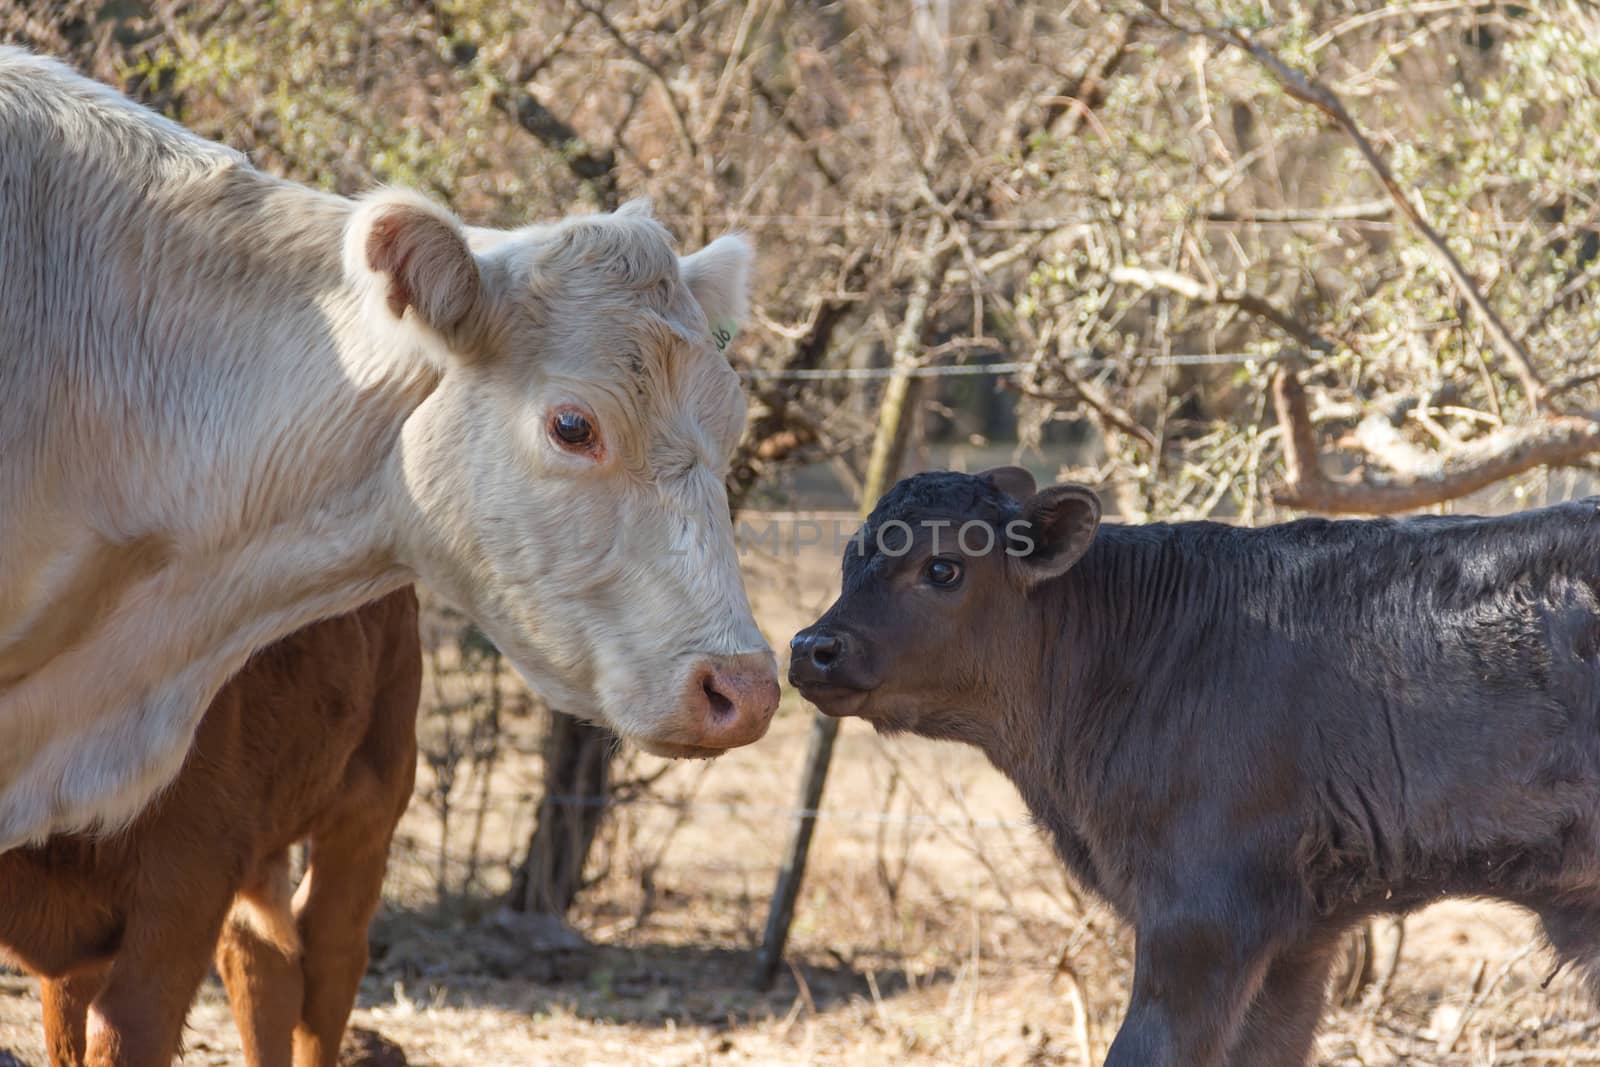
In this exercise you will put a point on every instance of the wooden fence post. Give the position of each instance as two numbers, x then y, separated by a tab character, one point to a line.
887	451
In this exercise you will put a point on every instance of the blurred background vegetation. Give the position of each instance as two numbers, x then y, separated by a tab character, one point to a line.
1121	196
1238	259
1144	209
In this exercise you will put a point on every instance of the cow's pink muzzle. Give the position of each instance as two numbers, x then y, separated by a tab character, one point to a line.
727	702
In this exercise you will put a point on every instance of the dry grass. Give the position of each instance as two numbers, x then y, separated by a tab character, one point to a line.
932	930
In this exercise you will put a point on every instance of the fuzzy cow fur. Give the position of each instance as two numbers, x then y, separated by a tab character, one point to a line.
231	405
1246	740
314	741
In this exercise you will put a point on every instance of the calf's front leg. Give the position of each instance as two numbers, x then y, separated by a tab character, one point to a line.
258	957
64	1003
334	905
1282	1021
1193	980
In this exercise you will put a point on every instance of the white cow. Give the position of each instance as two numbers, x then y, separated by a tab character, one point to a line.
231	405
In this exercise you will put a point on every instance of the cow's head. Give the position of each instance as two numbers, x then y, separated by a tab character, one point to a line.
932	625
563	483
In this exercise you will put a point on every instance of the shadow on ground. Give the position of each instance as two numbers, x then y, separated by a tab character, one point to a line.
536	965
468	957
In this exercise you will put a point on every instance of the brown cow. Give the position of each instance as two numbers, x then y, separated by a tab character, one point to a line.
314	741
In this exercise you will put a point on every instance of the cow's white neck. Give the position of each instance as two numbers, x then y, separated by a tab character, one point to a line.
230	405
221	486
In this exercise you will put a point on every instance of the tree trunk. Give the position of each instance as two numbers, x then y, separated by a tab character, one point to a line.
577	760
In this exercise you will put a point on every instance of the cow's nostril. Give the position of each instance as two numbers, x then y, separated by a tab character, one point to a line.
730	700
721	704
824	650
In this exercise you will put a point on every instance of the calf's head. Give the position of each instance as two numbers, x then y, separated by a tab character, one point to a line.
932	631
563	481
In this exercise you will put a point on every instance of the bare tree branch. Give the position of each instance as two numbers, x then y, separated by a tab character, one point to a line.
680	124
782	409
1080	390
1094	398
807	143
1428	478
932	264
1200	292
1365	211
596	166
1076	100
753	11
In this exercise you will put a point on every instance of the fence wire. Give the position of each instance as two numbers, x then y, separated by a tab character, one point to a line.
858	816
954	370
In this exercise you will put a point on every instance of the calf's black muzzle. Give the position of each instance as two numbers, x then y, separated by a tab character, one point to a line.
826	664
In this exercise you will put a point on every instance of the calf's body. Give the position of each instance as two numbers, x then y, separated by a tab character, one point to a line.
313	741
1247	740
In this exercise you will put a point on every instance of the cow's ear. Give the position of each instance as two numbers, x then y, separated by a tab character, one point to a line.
719	277
1057	526
419	254
1014	482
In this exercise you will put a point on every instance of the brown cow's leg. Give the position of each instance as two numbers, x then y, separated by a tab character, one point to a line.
65	1004
336	901
258	958
136	1020
1282	1021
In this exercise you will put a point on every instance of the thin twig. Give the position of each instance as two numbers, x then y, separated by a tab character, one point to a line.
754	10
680	124
1482	991
1199	292
1080	1005
1364	211
1302	87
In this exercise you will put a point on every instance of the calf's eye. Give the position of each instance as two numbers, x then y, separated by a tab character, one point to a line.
943	572
572	429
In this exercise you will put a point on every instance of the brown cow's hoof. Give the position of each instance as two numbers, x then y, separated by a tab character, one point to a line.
363	1048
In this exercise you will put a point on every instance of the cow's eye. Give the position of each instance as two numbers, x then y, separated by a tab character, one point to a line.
943	572
572	429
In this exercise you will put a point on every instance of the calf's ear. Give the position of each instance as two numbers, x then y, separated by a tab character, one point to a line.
419	253
719	277
1058	526
1014	482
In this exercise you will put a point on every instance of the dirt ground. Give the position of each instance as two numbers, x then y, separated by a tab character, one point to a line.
935	927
